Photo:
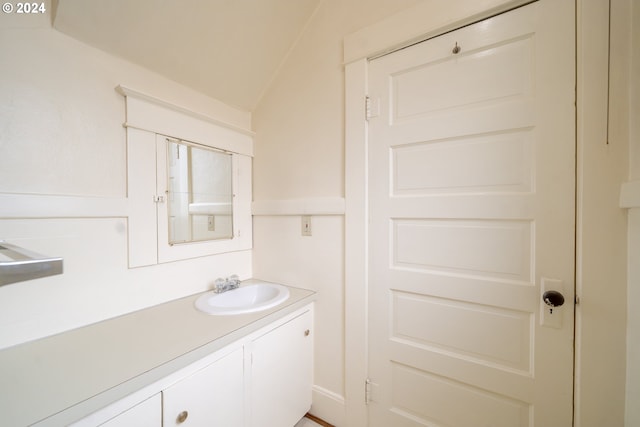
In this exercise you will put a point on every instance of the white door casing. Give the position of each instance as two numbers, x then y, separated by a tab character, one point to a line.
472	216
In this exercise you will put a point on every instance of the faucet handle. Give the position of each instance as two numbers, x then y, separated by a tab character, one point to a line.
234	279
219	284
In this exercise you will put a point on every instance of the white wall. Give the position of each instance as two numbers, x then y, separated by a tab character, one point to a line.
632	418
63	182
299	155
601	277
633	257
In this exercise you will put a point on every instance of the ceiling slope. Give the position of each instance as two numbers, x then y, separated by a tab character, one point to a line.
227	49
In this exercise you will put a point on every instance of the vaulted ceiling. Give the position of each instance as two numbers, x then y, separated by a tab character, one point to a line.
227	49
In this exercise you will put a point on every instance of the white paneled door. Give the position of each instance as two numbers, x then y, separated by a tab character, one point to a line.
471	207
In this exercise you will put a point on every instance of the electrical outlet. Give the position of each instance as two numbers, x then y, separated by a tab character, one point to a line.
306	225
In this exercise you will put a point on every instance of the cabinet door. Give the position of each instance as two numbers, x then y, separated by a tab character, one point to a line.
211	397
144	414
281	374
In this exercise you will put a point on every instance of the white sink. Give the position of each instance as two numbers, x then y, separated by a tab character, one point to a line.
245	299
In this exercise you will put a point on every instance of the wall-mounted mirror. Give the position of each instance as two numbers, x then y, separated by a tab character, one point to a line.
200	195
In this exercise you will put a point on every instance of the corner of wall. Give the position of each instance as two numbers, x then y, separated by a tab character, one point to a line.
601	266
630	198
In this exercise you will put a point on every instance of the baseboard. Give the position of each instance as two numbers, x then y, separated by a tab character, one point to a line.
328	406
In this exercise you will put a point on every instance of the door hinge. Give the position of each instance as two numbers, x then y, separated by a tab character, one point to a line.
367	107
371	107
158	198
367	391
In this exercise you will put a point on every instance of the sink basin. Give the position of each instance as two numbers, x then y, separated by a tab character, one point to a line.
245	299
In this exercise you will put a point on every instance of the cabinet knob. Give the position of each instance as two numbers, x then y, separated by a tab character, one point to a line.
182	417
307	332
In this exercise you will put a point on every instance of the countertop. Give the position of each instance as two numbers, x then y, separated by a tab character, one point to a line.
65	377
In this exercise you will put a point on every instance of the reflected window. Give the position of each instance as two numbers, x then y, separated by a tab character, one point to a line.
200	194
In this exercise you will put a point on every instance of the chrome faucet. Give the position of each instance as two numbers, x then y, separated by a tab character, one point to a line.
223	285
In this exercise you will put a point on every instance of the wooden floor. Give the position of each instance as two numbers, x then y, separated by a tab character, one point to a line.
306	422
312	421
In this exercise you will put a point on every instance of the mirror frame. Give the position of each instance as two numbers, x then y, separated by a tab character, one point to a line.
241	211
148	120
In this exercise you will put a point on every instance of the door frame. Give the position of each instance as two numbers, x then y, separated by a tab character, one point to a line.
419	23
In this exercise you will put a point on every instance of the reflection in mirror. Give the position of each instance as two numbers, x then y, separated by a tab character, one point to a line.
200	193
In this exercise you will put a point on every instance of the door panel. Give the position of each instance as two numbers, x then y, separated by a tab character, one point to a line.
411	246
471	192
423	168
435	393
485	76
508	347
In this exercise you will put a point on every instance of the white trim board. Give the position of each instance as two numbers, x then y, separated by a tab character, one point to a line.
356	243
126	91
306	206
630	195
61	206
148	113
328	402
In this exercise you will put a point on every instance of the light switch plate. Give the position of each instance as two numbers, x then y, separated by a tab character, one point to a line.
306	225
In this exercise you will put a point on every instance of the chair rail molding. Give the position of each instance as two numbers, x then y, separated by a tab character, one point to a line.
630	195
303	206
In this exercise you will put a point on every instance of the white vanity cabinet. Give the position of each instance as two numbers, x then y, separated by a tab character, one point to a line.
260	379
210	397
264	383
281	373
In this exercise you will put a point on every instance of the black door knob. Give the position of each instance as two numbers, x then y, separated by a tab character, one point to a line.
553	298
